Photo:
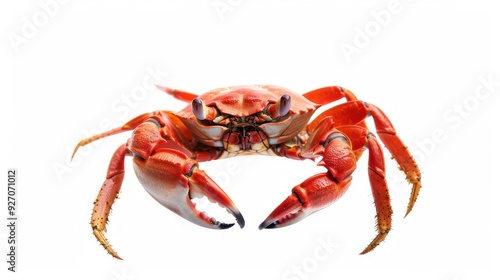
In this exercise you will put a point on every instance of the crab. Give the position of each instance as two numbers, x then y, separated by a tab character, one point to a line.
167	147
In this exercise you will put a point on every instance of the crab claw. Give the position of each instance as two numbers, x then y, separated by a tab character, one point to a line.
173	179
320	190
201	185
312	195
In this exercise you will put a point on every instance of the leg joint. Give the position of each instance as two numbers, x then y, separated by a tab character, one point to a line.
333	136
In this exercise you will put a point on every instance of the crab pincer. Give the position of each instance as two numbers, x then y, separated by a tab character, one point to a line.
320	190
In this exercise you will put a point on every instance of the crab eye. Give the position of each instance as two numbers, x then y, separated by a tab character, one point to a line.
285	104
199	108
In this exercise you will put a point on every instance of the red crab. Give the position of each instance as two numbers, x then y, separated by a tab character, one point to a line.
255	120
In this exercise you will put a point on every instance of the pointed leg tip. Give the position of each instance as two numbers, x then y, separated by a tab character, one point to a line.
76	149
368	249
116	256
73	154
407	212
376	241
113	253
99	234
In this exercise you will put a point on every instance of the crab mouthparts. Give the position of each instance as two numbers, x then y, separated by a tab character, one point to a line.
244	135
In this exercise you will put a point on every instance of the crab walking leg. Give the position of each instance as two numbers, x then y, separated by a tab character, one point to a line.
406	162
331	94
351	112
378	183
178	94
132	124
376	174
106	197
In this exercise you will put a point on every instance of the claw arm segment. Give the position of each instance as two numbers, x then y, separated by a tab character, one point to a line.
350	113
106	197
327	95
132	124
292	152
178	94
399	151
207	154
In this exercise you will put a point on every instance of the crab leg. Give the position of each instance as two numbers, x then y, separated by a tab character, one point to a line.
114	178
378	183
340	113
106	197
352	112
126	127
178	94
330	94
376	173
399	151
166	169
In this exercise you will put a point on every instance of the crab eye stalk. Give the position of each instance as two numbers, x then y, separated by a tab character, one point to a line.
199	108
278	109
284	105
202	111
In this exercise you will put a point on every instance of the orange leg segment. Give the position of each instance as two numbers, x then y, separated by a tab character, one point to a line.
399	151
378	183
351	112
178	94
106	197
342	114
331	94
132	124
166	169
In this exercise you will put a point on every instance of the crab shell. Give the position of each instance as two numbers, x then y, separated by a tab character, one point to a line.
241	101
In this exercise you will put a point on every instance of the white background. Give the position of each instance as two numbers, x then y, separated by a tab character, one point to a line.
68	67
